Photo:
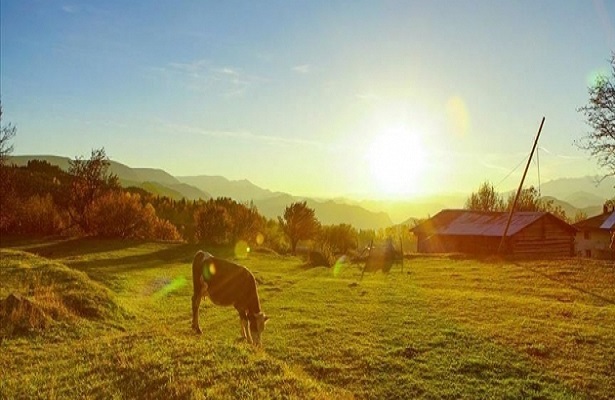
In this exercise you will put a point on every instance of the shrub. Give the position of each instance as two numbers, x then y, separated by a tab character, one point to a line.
38	215
121	215
212	224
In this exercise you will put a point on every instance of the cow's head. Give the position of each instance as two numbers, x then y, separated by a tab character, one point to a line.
256	329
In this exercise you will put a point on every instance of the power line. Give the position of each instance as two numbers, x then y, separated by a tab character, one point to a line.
513	170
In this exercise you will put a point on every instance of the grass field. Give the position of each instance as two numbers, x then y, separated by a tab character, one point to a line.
445	328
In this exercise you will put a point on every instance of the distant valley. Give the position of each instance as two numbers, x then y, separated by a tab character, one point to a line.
571	194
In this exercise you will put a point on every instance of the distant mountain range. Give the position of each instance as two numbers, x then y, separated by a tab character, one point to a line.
572	194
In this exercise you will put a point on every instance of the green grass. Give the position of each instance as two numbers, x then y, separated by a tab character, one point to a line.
444	328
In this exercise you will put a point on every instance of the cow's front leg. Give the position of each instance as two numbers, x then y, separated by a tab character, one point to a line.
245	326
196	302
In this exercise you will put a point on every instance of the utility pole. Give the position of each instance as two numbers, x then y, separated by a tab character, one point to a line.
512	209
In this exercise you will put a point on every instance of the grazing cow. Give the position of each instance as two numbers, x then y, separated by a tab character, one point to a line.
226	284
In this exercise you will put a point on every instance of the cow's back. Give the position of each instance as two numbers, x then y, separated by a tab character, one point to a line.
228	283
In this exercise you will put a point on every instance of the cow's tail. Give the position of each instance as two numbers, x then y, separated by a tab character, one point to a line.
197	271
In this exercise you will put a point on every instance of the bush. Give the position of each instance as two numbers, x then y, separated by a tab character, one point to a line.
119	214
212	224
38	215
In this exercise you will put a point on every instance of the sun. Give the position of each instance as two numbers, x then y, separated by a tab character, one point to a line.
397	160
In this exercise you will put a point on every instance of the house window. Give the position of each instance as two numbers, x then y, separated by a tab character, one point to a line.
586	235
588	253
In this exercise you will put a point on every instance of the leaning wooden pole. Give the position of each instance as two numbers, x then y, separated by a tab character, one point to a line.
527	166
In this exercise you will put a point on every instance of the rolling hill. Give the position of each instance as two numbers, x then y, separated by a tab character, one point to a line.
218	186
153	180
583	193
270	204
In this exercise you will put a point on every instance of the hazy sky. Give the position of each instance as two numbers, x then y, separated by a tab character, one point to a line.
309	97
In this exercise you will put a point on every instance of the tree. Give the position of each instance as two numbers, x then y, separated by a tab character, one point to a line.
244	220
530	200
7	133
119	214
339	238
299	223
212	223
7	198
89	179
579	216
600	116
486	199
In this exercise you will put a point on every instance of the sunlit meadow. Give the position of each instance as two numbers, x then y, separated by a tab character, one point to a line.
444	327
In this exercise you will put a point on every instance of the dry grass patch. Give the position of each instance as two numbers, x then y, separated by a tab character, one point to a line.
37	293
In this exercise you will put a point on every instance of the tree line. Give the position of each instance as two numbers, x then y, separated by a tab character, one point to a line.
40	199
488	199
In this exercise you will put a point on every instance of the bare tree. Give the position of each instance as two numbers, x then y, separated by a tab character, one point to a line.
7	133
90	179
7	195
600	116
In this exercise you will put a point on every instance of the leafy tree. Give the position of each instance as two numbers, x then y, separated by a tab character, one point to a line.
600	116
579	216
120	214
274	237
339	238
299	223
90	179
212	223
530	200
486	199
244	220
39	216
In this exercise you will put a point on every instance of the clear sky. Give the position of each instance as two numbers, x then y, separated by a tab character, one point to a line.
322	98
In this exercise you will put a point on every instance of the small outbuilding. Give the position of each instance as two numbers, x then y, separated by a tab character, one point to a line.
595	235
530	234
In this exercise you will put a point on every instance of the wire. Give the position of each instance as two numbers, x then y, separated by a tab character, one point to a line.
513	170
538	165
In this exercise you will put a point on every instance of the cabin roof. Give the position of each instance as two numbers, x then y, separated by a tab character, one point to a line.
604	221
481	223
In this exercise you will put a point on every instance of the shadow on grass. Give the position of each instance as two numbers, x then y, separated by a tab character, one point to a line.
173	253
55	248
567	284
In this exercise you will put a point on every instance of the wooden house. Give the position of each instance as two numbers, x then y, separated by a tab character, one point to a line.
530	234
595	234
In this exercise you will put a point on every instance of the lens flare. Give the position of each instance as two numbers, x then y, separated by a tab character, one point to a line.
458	115
209	269
594	77
340	264
260	238
171	286
242	249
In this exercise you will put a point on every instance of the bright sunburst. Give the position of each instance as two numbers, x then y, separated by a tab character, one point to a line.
397	160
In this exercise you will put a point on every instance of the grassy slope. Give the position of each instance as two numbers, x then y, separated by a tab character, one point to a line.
448	329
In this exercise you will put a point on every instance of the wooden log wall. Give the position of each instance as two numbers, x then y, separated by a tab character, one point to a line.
545	237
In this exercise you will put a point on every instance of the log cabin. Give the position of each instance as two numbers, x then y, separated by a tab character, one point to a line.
530	234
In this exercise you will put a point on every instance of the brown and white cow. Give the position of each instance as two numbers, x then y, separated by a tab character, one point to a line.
227	284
